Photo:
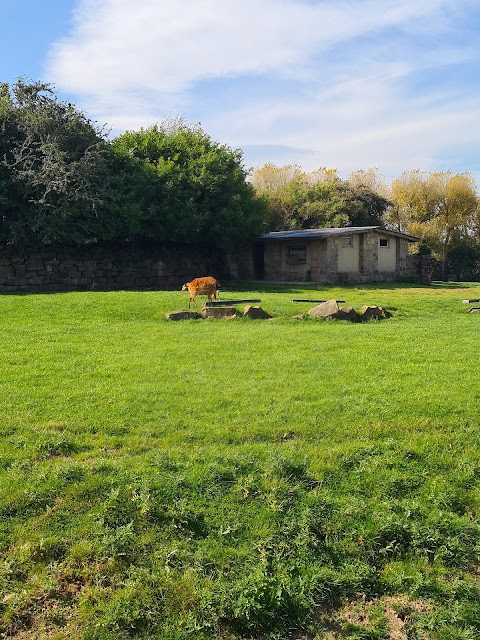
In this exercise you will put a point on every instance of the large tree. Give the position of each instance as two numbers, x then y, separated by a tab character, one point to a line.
439	207
188	188
299	200
54	171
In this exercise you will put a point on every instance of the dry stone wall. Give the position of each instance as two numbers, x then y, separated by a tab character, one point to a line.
96	267
419	268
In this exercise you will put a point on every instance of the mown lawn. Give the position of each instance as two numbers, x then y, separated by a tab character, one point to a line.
236	478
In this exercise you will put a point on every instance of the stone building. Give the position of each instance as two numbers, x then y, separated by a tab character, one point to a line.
338	256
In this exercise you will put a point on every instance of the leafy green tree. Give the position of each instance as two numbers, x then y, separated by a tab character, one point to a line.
463	259
368	199
188	189
298	200
363	206
54	171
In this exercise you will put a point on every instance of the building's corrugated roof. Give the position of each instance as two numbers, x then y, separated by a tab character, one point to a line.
328	232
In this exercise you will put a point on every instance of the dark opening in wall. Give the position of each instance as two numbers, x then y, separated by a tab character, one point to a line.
297	255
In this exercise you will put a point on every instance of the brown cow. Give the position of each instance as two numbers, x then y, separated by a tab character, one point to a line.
207	286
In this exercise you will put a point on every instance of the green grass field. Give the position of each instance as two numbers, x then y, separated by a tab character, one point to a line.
240	479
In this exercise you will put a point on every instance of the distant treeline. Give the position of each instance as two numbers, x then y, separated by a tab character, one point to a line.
441	208
64	182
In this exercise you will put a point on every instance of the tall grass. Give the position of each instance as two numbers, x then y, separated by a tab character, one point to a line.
239	479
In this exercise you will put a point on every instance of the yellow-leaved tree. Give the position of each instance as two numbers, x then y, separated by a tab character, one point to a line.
439	207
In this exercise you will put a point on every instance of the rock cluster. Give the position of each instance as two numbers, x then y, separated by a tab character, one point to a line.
330	310
226	313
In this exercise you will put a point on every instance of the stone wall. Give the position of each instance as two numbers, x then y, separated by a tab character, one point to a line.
419	268
93	267
274	263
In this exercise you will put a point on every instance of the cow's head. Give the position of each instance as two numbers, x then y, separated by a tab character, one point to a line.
185	286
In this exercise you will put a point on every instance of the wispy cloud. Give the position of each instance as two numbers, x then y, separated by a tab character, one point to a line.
347	81
117	45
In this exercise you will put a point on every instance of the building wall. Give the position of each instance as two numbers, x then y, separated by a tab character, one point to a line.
348	253
319	260
284	260
369	256
273	261
95	267
327	260
419	268
387	255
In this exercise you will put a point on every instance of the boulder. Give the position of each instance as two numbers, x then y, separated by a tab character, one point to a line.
255	312
348	313
227	313
331	310
326	309
183	315
372	312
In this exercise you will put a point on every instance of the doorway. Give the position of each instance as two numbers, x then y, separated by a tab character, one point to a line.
258	254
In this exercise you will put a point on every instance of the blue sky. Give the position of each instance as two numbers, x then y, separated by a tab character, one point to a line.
347	84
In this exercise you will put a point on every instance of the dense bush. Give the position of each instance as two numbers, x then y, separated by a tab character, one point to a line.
463	260
185	188
63	182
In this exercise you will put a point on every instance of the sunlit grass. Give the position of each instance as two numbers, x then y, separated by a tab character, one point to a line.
238	475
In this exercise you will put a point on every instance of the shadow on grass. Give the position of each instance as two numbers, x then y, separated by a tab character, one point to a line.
85	290
290	288
269	287
454	285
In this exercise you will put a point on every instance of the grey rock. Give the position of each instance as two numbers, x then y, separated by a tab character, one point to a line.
347	313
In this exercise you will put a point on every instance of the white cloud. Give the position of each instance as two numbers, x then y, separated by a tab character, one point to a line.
340	73
358	125
117	45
